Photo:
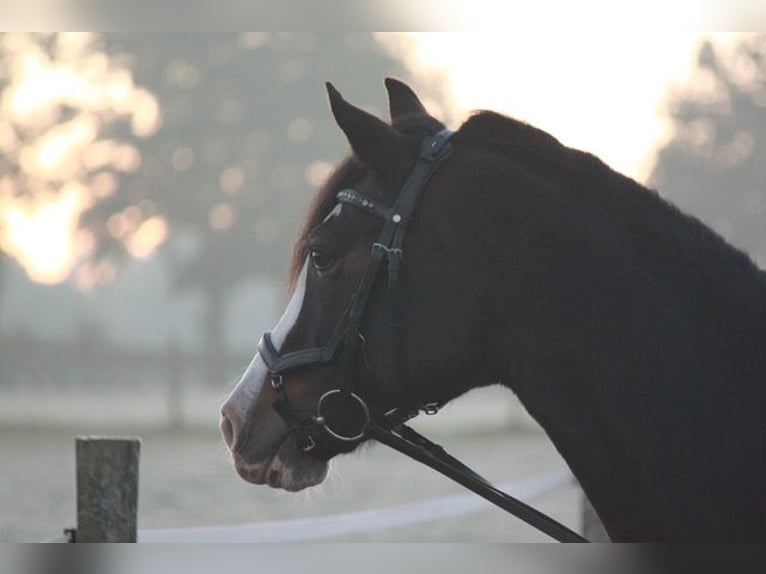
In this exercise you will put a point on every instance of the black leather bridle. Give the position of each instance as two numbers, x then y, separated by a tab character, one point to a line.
344	347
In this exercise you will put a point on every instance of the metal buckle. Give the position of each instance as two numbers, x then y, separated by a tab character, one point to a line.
276	381
431	408
309	445
322	422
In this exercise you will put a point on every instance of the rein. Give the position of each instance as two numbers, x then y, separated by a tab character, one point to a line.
414	445
344	345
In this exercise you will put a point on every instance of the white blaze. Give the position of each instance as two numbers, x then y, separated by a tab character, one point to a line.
335	212
290	316
249	386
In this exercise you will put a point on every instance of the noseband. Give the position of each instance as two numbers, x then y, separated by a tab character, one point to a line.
344	347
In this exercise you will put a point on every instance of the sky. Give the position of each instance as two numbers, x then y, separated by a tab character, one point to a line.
603	92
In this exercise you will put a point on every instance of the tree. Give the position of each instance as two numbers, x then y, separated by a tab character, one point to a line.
715	164
62	100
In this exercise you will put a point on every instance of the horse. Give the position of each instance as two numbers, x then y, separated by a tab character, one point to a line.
631	332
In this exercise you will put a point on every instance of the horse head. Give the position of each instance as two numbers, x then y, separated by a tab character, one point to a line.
415	339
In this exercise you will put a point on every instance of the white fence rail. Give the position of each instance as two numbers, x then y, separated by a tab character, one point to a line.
324	527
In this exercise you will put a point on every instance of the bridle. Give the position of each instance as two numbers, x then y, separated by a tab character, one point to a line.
346	341
346	338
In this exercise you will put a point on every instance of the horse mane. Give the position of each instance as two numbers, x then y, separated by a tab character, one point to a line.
514	138
668	236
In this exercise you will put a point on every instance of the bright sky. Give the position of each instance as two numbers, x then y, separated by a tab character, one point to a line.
601	92
62	162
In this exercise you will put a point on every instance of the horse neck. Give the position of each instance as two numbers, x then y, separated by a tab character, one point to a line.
617	350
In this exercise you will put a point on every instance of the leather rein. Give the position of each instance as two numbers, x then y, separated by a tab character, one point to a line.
346	341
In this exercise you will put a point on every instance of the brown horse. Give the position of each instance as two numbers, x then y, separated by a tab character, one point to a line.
631	332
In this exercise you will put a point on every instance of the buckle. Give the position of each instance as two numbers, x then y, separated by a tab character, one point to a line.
307	443
433	145
276	381
430	408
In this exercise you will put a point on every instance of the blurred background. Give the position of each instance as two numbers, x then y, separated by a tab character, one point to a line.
150	188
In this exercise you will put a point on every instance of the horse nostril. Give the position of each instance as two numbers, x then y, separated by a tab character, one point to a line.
228	430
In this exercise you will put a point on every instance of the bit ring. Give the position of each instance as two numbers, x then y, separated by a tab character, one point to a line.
322	420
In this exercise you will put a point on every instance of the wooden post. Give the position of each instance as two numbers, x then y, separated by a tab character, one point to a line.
107	489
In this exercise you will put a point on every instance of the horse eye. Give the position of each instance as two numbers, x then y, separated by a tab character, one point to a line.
320	260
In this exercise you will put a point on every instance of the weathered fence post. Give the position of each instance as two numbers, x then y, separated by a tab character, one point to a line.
107	489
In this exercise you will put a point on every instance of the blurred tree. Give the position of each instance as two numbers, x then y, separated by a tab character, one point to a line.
61	97
240	134
246	136
715	164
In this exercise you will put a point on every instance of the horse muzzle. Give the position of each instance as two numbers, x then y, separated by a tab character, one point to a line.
289	468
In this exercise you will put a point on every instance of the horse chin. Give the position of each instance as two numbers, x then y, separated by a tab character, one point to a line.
289	468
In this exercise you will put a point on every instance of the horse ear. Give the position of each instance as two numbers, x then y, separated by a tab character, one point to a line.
372	140
406	109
